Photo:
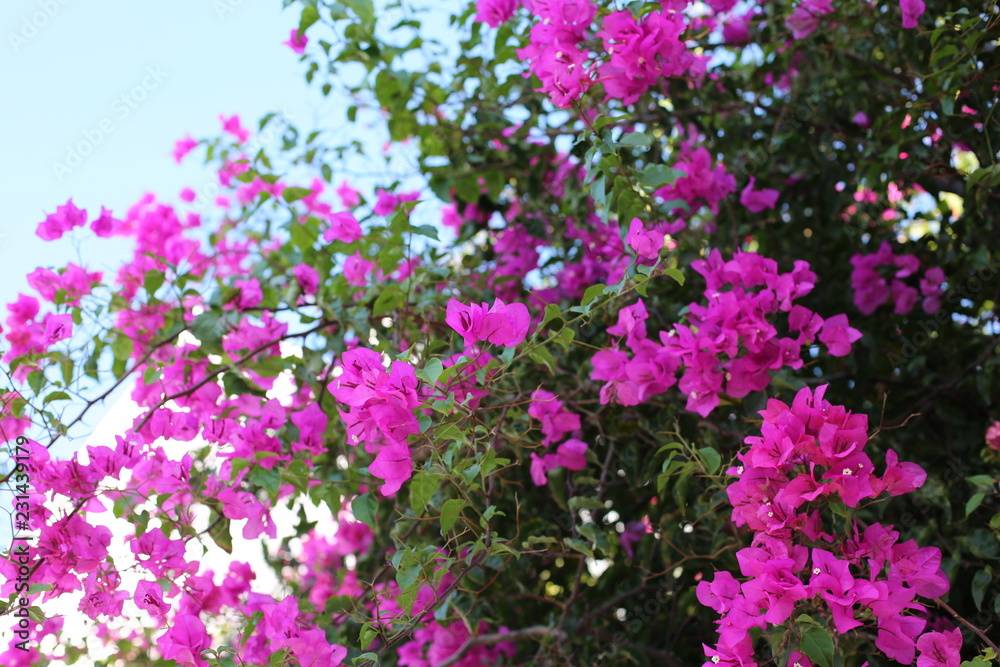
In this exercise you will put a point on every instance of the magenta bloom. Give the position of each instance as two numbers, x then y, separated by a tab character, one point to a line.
357	269
393	465
348	195
993	436
838	335
499	324
63	220
757	200
106	225
805	19
149	596
343	227
308	278
495	12
647	245
940	649
297	42
183	147
233	127
912	10
185	640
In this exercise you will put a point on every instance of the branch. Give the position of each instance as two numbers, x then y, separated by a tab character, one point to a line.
489	640
979	633
214	374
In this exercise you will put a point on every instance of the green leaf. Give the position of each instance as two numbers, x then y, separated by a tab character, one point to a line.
309	16
712	459
608	120
429	231
152	281
817	645
363	507
363	8
975	501
122	347
55	396
269	479
221	536
541	355
591	293
431	371
980	581
675	274
294	194
389	299
450	512
422	489
586	503
657	175
367	636
636	139
551	312
565	338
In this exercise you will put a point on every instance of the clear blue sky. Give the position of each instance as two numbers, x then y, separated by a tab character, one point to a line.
62	75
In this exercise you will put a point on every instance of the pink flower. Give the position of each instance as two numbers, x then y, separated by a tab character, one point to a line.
185	641
233	127
495	12
647	245
993	436
184	146
912	10
572	454
805	19
556	420
348	195
861	120
903	477
356	270
57	328
308	278
642	52
343	227
149	596
63	220
633	533
499	324
757	200
297	42
838	335
249	295
105	226
394	465
940	649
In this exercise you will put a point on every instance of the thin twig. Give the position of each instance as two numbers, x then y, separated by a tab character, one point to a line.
489	640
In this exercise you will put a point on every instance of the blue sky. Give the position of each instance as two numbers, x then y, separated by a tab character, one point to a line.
129	79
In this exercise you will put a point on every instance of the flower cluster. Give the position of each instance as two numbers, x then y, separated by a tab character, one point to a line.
640	52
728	346
556	422
500	324
382	415
702	185
554	50
809	455
872	289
